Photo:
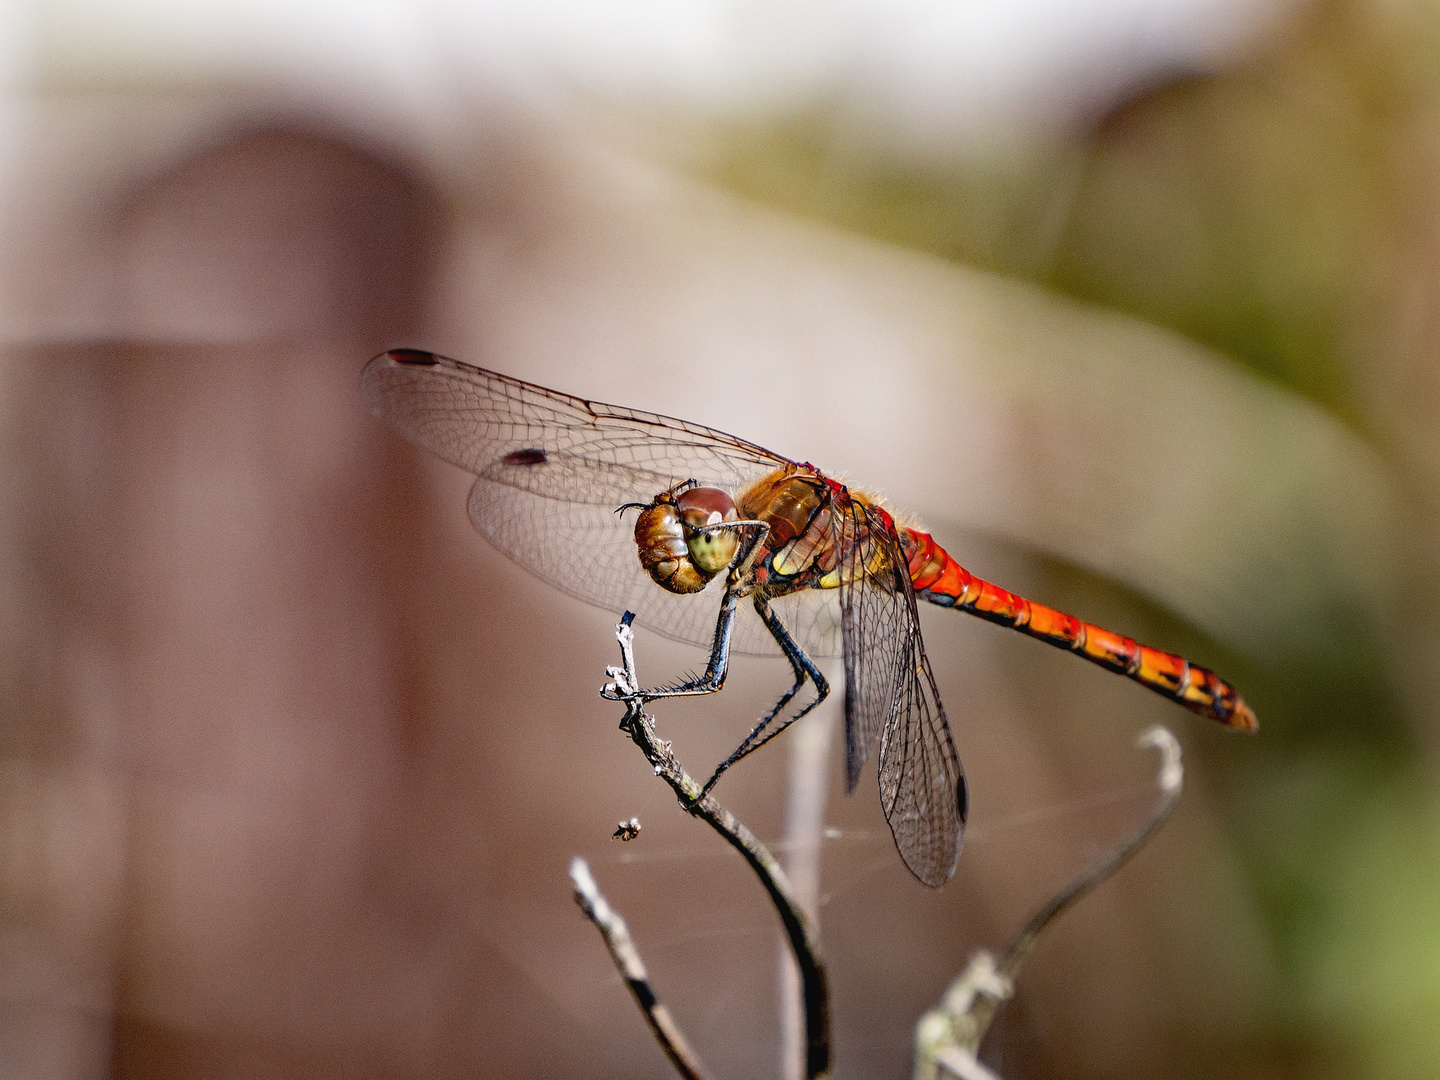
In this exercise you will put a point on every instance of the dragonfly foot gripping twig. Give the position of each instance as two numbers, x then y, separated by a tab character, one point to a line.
804	943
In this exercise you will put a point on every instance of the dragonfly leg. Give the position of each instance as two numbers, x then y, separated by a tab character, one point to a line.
803	667
750	533
712	679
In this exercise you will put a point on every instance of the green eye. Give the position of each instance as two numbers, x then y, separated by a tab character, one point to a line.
712	551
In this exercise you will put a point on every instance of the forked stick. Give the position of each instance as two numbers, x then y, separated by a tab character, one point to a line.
948	1037
804	943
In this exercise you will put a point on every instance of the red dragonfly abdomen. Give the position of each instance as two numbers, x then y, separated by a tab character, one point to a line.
941	580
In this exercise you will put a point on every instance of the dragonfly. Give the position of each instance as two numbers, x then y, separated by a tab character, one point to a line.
722	529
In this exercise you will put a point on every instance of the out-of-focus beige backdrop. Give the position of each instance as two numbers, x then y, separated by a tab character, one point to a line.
1136	307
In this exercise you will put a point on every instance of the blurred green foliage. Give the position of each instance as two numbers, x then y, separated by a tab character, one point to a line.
1265	211
1246	210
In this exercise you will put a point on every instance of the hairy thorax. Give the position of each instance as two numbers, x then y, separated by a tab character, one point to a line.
819	531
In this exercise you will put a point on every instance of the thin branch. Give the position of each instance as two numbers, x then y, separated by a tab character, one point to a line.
627	959
948	1037
804	942
805	791
1169	780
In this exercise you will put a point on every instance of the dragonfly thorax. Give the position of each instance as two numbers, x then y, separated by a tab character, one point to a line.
679	547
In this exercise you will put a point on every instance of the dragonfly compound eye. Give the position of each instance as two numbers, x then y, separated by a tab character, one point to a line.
700	507
712	551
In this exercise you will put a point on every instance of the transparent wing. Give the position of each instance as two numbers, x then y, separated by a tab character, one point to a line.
874	634
588	452
922	786
891	698
552	470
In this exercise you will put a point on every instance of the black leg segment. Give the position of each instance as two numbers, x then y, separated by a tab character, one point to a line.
713	677
803	667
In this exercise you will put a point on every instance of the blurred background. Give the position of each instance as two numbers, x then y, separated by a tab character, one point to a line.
1135	305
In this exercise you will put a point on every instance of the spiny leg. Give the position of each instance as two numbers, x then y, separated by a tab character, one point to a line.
803	668
751	532
711	680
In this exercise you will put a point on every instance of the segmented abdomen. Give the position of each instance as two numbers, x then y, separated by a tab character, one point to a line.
941	580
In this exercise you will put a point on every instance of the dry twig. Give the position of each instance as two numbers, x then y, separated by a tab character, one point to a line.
622	950
948	1037
804	942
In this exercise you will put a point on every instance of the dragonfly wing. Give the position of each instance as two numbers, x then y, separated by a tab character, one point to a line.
891	699
552	470
504	429
873	630
922	786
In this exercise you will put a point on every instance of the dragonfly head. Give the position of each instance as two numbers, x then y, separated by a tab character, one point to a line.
679	547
